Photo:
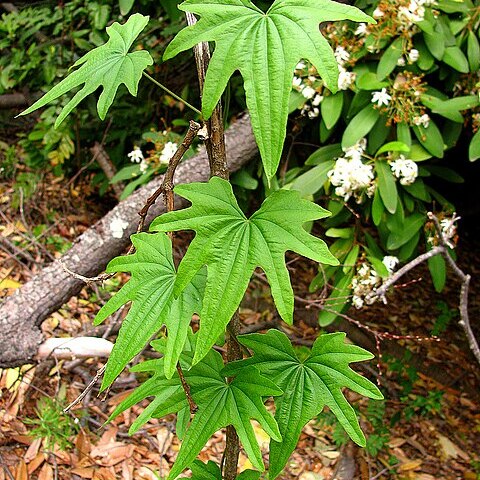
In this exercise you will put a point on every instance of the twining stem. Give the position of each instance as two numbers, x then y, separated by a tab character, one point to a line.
215	146
174	95
166	188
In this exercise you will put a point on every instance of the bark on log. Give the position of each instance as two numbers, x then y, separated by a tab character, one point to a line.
22	313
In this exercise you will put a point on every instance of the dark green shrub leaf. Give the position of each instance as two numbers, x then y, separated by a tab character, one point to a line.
438	271
430	138
390	57
360	125
331	108
312	181
412	225
474	147
386	185
454	57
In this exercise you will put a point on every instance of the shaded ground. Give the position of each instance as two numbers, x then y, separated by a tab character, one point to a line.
428	428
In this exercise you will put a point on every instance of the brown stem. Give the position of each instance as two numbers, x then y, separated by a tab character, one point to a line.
215	145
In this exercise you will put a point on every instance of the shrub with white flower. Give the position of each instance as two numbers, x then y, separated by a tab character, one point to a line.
423	120
405	170
367	280
136	155
381	98
168	151
351	176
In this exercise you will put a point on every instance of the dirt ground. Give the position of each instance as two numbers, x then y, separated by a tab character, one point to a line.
428	427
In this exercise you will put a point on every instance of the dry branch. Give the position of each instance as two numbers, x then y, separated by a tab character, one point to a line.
22	313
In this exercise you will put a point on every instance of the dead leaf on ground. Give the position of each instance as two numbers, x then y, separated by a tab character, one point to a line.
46	473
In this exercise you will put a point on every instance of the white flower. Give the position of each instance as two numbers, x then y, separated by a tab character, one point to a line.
390	262
413	55
168	151
117	226
381	97
350	177
300	66
341	55
423	120
317	100
364	283
308	92
297	81
414	13
361	29
136	155
143	166
449	229
313	113
312	78
356	151
345	79
378	12
404	169
401	62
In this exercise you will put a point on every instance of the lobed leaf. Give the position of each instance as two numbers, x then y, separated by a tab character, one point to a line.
151	291
232	246
107	66
265	47
308	385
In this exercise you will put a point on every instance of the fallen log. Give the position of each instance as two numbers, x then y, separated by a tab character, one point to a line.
22	313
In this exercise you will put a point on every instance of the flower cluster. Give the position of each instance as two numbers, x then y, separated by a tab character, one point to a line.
136	156
307	82
404	169
351	176
402	101
367	280
168	151
345	78
449	231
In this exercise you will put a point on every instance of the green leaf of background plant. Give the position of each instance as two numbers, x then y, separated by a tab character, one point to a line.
150	288
474	147
438	271
454	57
337	300
473	51
308	385
412	225
265	48
430	138
312	181
390	57
232	246
360	125
109	66
386	185
331	108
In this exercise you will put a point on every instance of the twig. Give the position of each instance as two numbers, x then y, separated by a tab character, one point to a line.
5	468
87	389
174	95
186	388
441	249
166	188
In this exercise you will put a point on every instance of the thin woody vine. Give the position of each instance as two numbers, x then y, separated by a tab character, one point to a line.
208	391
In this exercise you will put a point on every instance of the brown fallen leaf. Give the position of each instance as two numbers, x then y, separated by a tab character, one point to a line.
111	453
46	473
449	449
84	472
36	462
32	450
411	465
83	445
21	471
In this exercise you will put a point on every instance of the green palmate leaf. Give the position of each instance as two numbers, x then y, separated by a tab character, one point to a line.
309	385
107	66
232	246
151	291
265	48
219	404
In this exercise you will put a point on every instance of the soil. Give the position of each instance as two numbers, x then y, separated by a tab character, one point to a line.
428	428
